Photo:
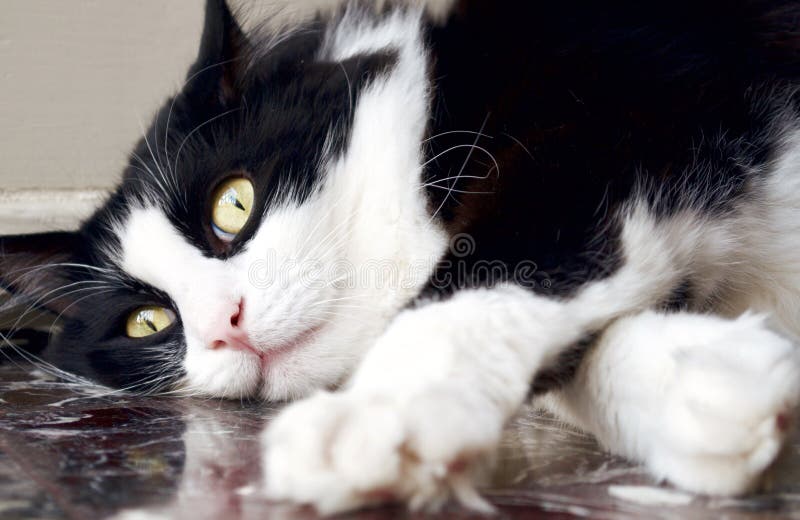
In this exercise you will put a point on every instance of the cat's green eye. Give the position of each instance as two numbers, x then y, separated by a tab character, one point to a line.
232	205
146	321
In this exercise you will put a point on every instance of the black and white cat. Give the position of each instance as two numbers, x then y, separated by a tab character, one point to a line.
595	203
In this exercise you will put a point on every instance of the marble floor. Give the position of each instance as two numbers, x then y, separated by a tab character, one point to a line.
68	452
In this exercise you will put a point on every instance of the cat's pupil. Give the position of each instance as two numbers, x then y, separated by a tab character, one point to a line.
231	197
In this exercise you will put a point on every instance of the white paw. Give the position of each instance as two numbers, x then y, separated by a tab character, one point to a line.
346	450
728	407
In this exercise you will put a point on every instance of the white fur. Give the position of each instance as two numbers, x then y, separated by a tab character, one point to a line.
765	273
694	397
434	392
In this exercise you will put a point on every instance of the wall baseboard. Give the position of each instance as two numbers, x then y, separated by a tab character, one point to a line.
30	211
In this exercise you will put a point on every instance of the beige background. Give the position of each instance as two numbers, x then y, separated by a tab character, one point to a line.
78	77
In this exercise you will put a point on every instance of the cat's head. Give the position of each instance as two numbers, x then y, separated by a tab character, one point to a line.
267	226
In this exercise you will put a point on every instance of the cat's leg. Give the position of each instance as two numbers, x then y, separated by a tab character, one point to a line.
431	397
433	394
704	402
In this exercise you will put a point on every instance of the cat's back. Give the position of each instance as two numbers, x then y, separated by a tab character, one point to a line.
548	116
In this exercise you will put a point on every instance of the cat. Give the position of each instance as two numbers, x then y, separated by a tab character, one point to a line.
411	225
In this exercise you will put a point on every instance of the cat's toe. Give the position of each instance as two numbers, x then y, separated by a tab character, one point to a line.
340	452
322	451
728	412
717	473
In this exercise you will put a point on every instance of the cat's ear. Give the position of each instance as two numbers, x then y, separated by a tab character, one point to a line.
34	269
215	78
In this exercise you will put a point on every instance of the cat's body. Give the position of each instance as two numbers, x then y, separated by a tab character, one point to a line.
576	202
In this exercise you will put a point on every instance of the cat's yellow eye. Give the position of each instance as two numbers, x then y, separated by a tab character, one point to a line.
146	321
232	205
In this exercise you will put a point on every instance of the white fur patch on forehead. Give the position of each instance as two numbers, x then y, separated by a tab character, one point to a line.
362	32
153	251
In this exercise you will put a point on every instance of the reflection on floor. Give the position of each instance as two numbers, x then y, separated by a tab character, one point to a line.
69	454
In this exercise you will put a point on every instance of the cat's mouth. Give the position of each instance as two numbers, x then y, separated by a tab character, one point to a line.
277	352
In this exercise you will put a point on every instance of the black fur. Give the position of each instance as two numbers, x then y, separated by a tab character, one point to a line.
582	105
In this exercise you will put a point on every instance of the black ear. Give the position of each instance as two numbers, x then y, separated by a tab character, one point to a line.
216	76
35	269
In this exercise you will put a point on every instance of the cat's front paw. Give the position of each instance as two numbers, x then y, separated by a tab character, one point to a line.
343	451
728	410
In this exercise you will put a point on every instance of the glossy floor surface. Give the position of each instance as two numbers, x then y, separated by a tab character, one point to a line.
72	453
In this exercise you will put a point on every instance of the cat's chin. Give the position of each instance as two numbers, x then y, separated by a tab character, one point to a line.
283	384
285	371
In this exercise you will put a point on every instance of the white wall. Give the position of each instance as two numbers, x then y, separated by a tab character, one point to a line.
77	77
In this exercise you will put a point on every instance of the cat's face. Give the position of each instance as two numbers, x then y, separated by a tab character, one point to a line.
267	227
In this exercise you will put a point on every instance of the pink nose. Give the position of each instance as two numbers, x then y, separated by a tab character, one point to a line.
228	332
